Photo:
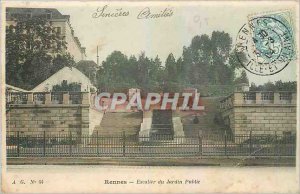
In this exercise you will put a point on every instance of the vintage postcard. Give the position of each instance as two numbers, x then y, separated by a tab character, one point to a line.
150	97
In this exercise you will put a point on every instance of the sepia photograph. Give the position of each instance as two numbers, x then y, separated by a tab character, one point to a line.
150	97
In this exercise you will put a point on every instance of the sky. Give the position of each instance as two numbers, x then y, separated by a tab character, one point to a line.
162	36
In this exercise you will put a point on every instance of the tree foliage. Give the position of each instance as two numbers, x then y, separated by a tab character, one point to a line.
67	87
208	60
243	79
277	86
34	51
88	68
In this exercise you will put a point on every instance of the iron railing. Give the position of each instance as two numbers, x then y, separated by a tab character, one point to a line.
57	97
41	97
249	96
75	97
268	96
259	97
212	145
17	98
285	96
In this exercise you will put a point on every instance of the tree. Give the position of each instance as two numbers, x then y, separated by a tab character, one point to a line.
253	87
143	76
278	86
206	61
242	79
171	68
180	70
34	50
67	87
132	68
156	75
201	58
187	61
88	68
220	49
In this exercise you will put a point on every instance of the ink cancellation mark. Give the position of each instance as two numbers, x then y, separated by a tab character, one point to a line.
265	46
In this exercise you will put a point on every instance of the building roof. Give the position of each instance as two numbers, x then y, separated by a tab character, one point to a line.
14	88
15	13
65	73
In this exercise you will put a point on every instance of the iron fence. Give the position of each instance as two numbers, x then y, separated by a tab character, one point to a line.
17	97
75	97
211	145
57	97
39	97
249	96
285	95
269	96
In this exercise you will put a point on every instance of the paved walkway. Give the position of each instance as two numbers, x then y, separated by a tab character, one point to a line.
221	161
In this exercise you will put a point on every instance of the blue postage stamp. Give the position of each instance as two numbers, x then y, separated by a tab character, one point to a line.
270	43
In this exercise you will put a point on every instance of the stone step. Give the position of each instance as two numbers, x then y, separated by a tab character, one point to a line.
161	123
116	132
119	122
213	133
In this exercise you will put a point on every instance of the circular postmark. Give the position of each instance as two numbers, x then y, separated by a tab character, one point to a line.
264	46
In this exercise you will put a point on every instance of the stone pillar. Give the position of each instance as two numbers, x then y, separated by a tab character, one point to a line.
86	98
277	98
258	98
145	126
48	98
30	98
238	98
66	98
294	98
85	121
92	99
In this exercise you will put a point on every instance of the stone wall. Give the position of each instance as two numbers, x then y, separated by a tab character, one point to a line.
95	118
39	118
29	112
260	112
146	124
263	120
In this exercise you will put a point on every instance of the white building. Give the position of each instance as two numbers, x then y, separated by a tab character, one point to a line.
66	74
61	24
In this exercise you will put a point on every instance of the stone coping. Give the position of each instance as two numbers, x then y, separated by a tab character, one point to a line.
265	105
49	105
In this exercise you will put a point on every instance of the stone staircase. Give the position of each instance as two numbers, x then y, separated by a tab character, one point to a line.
206	120
162	125
115	123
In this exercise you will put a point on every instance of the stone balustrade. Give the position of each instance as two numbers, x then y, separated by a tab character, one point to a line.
259	98
48	98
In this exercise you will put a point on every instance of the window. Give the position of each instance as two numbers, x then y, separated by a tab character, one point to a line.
58	30
49	16
59	45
